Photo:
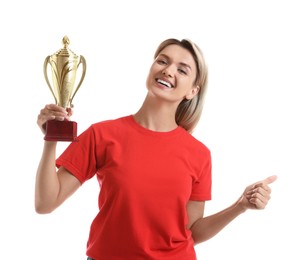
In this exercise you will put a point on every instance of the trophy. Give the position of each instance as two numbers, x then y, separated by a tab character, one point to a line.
64	64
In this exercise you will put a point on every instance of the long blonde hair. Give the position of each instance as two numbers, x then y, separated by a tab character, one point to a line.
188	112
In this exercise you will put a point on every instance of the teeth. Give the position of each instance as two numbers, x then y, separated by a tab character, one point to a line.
164	83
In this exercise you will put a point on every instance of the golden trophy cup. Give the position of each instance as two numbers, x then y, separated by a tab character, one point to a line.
64	65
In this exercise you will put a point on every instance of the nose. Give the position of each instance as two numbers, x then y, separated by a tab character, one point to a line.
168	71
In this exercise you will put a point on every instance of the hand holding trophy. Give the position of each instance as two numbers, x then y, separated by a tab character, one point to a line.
64	65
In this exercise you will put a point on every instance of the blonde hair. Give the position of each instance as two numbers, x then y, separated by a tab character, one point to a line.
188	112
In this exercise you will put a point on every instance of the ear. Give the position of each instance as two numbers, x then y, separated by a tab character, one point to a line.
193	92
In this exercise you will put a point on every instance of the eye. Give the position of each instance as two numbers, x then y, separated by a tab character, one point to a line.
182	71
162	62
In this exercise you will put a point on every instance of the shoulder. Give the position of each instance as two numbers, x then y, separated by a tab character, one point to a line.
195	144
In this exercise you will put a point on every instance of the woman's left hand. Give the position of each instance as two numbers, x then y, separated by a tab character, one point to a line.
257	195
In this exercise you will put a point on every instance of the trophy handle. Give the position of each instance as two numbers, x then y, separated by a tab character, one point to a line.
46	62
83	61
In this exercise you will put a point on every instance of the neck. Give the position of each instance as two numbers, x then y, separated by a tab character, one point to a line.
157	116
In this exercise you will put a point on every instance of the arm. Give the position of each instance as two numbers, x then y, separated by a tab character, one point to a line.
255	196
52	187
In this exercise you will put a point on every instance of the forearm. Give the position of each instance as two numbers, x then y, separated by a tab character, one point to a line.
47	182
207	227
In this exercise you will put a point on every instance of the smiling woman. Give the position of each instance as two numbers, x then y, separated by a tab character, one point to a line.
191	66
155	177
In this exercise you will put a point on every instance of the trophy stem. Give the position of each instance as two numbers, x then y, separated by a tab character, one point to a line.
61	131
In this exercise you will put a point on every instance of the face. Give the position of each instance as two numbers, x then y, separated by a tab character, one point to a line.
172	75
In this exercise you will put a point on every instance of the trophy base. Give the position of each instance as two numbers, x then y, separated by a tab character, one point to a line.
61	131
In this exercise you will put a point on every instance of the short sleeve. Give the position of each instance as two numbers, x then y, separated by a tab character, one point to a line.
79	157
202	187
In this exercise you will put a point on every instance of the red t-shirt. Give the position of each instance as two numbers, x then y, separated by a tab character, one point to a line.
146	180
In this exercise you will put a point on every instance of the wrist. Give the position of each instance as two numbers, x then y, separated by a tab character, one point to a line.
239	205
50	144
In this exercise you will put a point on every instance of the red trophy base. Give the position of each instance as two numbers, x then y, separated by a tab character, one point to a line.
61	131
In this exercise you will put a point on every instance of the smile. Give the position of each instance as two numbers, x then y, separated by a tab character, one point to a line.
165	83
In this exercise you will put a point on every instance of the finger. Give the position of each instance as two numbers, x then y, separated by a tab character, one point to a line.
269	180
69	111
49	115
259	197
265	191
42	118
259	200
258	203
263	196
54	107
52	111
265	182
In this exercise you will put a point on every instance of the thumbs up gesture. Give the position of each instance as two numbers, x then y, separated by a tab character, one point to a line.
257	195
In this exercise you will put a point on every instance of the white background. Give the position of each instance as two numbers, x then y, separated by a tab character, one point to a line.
251	120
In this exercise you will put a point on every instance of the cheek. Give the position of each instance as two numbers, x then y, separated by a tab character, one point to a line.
150	78
148	81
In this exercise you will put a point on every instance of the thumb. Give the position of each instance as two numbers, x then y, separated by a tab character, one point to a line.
269	179
264	182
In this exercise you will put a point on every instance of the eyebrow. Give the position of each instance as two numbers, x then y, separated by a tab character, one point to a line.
181	63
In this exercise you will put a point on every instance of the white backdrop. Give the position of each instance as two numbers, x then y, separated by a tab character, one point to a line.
251	120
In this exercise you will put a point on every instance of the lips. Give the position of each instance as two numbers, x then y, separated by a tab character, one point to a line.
165	83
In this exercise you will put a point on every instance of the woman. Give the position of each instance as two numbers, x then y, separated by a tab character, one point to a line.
154	175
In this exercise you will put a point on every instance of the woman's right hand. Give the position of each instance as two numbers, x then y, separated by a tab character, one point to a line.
52	112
